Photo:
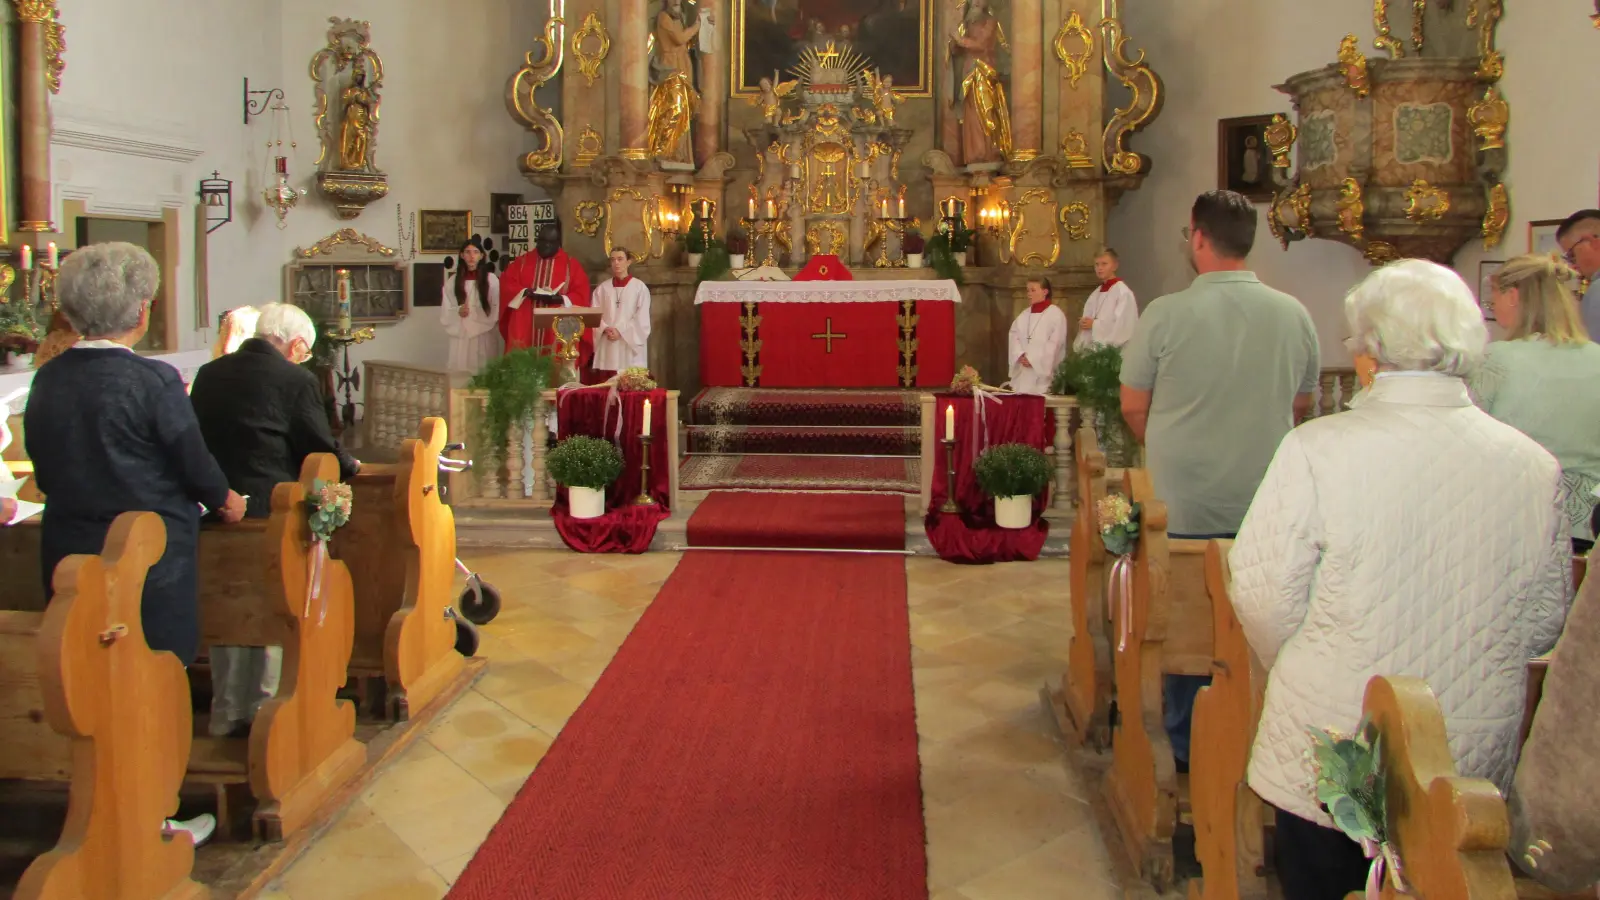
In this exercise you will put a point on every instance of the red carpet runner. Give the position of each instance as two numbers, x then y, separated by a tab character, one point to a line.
754	737
805	521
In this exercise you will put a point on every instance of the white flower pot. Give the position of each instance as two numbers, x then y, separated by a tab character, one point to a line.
694	260
1013	512
961	258
913	260
586	503
736	260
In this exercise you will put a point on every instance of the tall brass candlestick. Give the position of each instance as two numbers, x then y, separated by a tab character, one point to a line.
950	476
644	474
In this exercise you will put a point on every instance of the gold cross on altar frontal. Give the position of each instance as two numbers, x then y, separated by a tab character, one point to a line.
828	335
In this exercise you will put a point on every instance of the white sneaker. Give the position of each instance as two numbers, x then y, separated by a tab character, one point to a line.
199	828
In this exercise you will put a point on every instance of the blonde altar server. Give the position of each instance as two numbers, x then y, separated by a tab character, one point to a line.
1038	341
470	311
624	301
1111	313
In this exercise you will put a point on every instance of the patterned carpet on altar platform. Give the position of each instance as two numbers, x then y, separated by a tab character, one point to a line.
803	440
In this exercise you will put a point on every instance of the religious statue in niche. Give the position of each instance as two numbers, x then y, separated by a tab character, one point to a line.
348	79
978	94
681	35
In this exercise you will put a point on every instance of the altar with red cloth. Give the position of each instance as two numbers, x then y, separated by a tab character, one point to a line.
827	333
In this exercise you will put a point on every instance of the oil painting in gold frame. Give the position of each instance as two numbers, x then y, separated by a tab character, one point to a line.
770	35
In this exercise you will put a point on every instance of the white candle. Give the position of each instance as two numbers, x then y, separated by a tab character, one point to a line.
772	210
752	208
344	300
950	421
27	257
52	254
646	430
902	207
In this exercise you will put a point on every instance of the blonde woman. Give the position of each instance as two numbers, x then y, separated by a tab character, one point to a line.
1544	379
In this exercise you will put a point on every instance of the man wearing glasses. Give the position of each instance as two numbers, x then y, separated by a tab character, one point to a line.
1579	237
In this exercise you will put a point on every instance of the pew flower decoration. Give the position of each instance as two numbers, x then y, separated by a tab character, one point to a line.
1350	786
1119	524
636	378
327	510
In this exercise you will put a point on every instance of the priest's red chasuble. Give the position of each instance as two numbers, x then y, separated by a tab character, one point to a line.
548	280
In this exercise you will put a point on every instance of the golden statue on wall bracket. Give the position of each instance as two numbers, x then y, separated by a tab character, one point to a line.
980	104
348	79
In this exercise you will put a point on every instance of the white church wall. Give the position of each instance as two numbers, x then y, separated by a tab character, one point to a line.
1219	66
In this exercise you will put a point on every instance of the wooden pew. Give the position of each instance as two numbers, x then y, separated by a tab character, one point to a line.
1164	628
400	545
1229	819
1082	702
1451	832
83	698
253	579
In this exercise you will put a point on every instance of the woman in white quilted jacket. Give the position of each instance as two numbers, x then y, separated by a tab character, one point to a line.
1412	535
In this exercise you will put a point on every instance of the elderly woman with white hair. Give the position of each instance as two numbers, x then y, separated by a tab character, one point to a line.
1412	535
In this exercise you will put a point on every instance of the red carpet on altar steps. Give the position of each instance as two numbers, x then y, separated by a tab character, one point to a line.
754	737
799	521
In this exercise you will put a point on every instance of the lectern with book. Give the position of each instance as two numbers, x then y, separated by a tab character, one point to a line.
568	324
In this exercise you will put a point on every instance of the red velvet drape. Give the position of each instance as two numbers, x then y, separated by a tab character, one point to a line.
971	536
626	527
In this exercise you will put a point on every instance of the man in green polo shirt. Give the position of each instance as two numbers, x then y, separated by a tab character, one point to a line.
1214	377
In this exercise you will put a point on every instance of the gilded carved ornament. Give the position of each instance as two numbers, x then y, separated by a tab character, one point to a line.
38	11
1380	253
1353	63
586	217
1296	225
1075	220
834	234
1418	9
647	219
1075	150
1280	135
1424	202
592	29
1497	216
1385	40
540	65
1489	118
1351	209
1485	15
1074	65
351	138
55	47
339	238
1143	104
590	145
1035	198
749	344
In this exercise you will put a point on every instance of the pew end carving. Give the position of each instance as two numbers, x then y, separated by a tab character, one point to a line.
116	721
1083	700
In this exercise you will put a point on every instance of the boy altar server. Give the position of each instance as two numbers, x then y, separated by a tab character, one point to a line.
1111	313
1038	341
624	303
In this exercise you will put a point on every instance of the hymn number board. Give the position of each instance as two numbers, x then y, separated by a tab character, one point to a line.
525	219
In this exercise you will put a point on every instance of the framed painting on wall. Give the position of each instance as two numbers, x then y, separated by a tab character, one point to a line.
1542	236
1244	164
770	36
443	230
427	284
380	283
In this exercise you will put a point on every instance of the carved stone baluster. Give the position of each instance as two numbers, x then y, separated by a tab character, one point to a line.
542	492
1065	498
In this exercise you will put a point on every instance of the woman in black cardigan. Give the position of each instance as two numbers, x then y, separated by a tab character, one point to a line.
110	432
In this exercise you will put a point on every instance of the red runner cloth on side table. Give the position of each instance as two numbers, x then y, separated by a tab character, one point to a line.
626	527
971	536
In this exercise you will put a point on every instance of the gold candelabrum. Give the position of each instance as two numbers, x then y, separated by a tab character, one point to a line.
950	505
891	225
995	220
644	498
347	378
768	227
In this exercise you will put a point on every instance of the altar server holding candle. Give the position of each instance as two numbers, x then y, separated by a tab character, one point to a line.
1038	341
624	303
1112	312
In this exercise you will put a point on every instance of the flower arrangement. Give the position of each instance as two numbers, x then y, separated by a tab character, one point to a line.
1013	470
585	462
1350	786
965	380
328	507
738	242
913	242
636	378
1118	521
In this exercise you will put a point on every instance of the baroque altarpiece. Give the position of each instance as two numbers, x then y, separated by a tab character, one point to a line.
821	126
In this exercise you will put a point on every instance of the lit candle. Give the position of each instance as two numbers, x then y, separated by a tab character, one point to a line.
950	421
52	255
752	207
27	257
902	207
645	431
772	210
344	301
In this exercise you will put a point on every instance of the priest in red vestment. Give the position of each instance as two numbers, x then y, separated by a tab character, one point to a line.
546	278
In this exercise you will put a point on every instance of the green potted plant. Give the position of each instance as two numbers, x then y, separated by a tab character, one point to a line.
912	246
1013	474
694	244
941	258
1094	376
513	382
714	263
585	466
960	241
738	245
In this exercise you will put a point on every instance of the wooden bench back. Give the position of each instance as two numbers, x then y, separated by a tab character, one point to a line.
1085	694
118	722
1451	832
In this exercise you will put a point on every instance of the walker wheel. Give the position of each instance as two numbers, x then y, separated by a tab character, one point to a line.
480	601
466	638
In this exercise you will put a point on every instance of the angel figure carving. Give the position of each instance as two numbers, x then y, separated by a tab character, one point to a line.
880	89
770	99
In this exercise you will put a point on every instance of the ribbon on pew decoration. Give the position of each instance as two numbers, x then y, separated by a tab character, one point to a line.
1121	588
319	558
328	509
1383	859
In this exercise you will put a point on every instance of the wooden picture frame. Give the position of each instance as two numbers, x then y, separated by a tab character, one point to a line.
1542	236
1486	271
1244	164
443	231
427	284
380	281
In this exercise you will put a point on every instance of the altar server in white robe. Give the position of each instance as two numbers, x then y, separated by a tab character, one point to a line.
470	311
1038	341
624	303
1111	313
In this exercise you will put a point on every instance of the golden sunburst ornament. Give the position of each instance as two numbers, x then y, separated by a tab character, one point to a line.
831	69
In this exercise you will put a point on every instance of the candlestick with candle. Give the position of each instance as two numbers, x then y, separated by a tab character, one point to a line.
752	208
772	210
902	213
27	257
644	430
344	300
950	421
52	255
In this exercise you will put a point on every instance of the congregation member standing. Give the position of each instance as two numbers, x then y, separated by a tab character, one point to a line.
1579	239
1111	312
1544	378
1038	341
1213	378
1412	535
469	310
624	303
261	414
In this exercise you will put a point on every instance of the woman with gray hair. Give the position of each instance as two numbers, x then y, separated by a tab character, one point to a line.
1413	535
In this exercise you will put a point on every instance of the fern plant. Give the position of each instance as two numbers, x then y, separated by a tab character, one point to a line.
513	382
941	259
1094	376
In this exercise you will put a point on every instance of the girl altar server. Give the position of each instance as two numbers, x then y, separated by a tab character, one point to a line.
1111	313
624	335
470	311
1038	341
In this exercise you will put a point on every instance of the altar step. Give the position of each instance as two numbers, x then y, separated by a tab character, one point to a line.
810	440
